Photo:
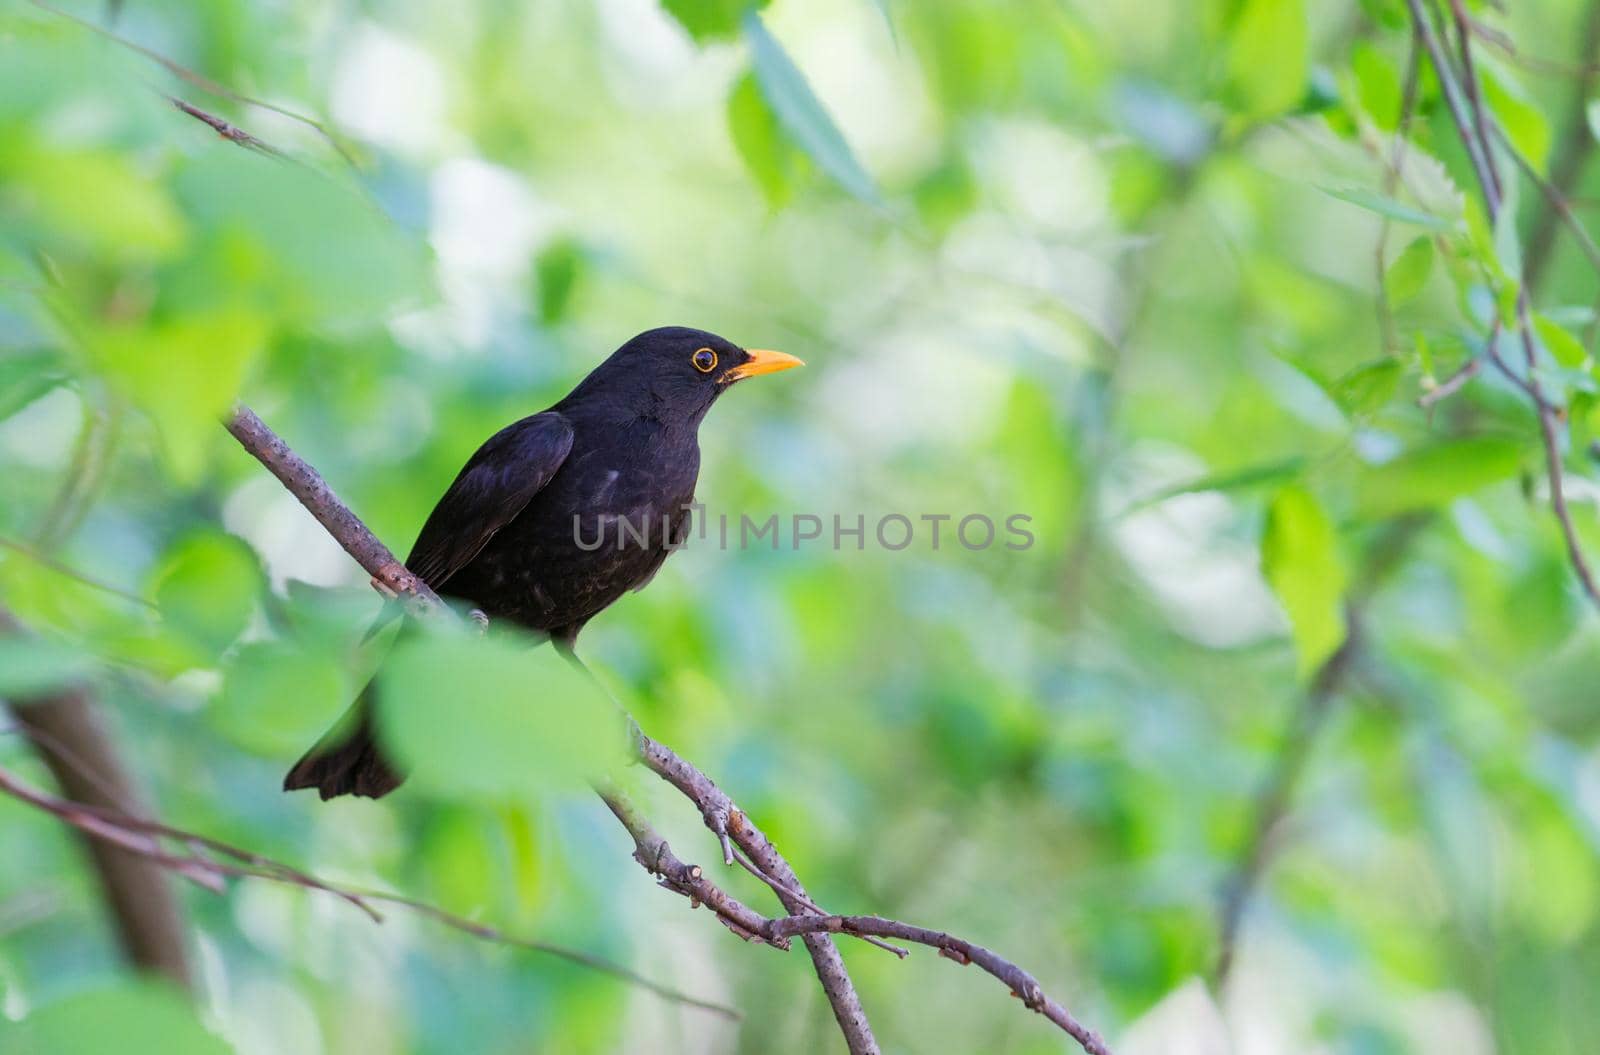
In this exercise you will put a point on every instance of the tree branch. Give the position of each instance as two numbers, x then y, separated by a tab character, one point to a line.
726	820
69	737
1472	122
211	87
720	813
306	484
1276	795
126	834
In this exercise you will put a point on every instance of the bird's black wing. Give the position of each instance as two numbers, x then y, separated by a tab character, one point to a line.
494	486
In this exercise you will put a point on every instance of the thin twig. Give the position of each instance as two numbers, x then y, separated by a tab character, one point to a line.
1536	63
1456	105
1472	123
204	83
306	484
811	906
143	837
71	737
1450	385
1560	211
1273	799
1550	435
1309	718
1474	97
720	811
231	132
1023	985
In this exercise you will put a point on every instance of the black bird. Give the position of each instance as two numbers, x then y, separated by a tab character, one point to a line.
559	514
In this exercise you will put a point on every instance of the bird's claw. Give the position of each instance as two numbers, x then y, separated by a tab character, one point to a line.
481	619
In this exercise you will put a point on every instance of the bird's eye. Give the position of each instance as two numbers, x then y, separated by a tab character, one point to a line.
705	360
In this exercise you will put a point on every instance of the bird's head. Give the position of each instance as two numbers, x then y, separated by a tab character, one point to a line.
677	371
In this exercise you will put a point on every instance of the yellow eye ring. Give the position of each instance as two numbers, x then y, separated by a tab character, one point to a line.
705	360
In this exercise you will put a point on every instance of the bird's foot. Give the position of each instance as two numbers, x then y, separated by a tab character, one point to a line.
383	588
480	618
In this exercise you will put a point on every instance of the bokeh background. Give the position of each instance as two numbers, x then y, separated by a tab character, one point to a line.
1134	270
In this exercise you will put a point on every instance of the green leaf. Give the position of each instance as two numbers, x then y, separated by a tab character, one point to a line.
1525	125
1300	558
31	665
801	114
1408	274
558	270
27	375
1233	480
709	19
493	717
1377	85
1434	476
1508	244
99	200
1268	57
1385	206
948	193
206	589
1561	344
758	137
1367	388
276	697
132	1018
1424	352
308	248
183	374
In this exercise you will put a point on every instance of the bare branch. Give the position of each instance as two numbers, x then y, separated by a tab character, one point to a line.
657	858
144	838
1276	795
1273	799
205	84
1450	385
232	133
721	815
1474	99
1023	985
306	484
653	853
139	900
1472	122
1458	108
69	735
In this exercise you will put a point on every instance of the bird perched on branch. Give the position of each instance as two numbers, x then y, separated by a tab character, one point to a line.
558	515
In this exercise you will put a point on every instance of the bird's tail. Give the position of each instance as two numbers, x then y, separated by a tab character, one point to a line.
347	760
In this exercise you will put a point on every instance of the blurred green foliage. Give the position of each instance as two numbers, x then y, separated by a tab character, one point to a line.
1123	268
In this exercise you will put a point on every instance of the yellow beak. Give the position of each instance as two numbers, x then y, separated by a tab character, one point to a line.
761	361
